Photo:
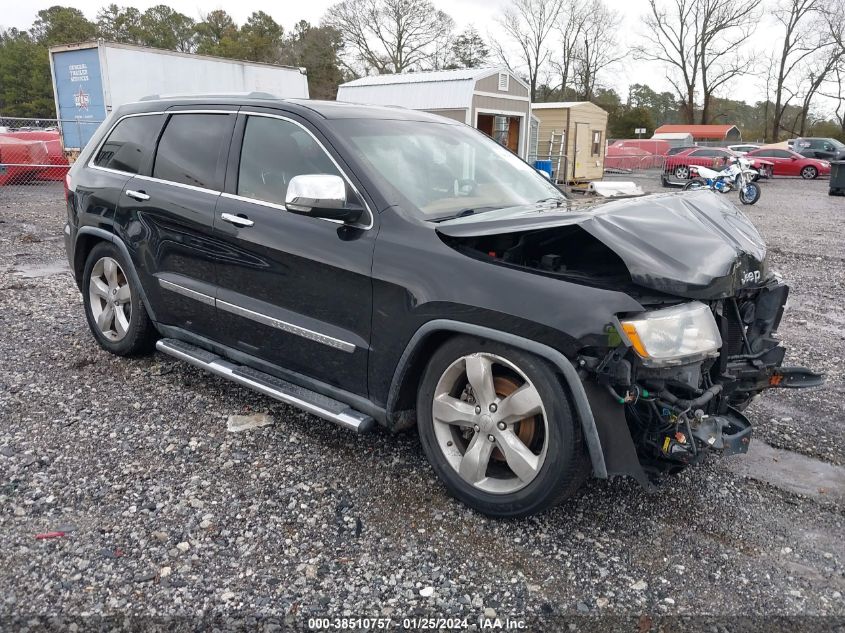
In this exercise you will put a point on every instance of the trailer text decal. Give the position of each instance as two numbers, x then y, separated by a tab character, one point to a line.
78	72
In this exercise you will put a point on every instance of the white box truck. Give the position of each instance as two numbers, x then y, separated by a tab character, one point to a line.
92	78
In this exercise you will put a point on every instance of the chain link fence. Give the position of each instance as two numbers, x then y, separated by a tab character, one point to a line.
31	151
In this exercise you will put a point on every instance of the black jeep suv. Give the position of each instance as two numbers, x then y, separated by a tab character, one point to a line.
379	264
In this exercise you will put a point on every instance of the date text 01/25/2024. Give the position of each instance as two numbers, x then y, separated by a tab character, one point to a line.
413	624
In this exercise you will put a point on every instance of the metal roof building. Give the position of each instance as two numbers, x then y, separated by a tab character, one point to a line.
704	132
494	100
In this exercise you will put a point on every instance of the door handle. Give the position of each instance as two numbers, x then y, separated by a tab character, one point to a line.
237	220
137	195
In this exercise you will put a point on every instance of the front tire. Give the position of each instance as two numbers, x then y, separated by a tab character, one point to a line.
750	193
682	172
809	173
113	306
498	428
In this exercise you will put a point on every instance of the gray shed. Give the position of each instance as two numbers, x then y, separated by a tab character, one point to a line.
493	100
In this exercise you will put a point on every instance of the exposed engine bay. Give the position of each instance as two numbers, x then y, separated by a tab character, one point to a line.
706	344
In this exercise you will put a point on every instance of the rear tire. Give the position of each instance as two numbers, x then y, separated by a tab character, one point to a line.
695	184
682	172
536	435
809	173
116	315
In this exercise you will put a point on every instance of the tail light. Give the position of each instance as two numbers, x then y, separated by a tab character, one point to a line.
67	184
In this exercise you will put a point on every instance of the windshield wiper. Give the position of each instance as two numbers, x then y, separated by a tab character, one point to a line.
464	212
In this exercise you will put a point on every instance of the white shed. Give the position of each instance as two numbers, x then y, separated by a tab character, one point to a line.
493	100
675	139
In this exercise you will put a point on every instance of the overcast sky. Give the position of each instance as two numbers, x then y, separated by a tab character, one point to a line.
478	13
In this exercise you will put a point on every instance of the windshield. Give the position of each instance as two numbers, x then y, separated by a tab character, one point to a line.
837	144
444	170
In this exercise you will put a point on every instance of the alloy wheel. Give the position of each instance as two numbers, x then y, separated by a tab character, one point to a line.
682	172
490	423
808	173
110	298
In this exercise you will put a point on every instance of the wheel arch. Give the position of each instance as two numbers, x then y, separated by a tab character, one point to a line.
429	336
86	239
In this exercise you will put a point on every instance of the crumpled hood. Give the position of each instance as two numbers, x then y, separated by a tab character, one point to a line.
693	244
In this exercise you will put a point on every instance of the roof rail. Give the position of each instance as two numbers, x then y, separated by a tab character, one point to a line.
215	95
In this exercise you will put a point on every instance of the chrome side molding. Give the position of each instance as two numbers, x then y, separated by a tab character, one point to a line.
259	317
284	326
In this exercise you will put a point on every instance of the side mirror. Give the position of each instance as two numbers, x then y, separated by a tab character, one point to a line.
321	196
544	174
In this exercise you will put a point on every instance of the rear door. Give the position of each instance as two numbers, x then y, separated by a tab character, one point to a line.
710	158
170	215
824	150
782	160
293	290
125	151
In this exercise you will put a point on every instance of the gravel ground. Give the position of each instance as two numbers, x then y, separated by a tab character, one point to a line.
165	513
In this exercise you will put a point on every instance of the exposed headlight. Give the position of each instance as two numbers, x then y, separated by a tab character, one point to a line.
675	335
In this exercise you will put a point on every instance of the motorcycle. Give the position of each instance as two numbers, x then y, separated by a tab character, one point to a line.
737	174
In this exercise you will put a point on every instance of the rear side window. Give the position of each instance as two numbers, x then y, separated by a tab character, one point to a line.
129	143
192	150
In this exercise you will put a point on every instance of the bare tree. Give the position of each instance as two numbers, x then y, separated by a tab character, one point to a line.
835	91
672	38
391	36
528	24
597	47
824	32
700	41
572	21
722	32
795	16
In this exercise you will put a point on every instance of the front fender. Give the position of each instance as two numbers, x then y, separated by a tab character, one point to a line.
558	360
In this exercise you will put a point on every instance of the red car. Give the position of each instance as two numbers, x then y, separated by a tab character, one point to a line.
712	157
789	163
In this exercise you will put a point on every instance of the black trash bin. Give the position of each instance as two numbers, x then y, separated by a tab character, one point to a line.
837	178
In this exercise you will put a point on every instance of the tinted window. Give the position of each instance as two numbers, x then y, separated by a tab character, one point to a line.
192	149
273	152
703	152
772	153
130	141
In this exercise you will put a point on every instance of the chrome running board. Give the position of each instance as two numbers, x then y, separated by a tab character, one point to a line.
305	399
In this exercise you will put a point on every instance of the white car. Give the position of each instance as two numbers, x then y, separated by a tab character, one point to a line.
744	148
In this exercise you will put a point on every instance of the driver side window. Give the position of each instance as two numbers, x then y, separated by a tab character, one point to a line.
272	153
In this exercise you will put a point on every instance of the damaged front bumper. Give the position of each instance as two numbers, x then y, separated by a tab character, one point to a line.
655	420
